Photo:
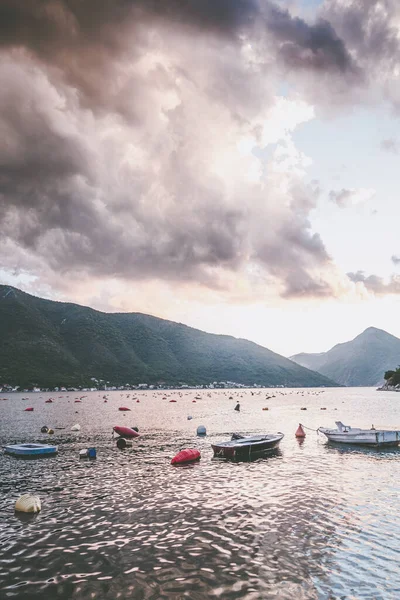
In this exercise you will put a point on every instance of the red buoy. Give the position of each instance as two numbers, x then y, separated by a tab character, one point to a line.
186	456
125	431
300	433
123	408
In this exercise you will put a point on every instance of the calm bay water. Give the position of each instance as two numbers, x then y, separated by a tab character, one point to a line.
313	521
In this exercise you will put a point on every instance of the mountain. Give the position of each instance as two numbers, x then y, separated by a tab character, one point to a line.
56	343
360	362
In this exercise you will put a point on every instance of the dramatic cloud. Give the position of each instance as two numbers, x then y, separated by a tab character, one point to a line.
370	32
348	197
376	284
133	135
128	131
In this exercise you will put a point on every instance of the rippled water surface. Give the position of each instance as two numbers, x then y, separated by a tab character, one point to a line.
311	521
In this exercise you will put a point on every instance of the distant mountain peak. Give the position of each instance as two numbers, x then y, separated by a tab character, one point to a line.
374	330
373	333
361	361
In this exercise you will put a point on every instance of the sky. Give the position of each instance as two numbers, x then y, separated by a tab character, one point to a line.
228	164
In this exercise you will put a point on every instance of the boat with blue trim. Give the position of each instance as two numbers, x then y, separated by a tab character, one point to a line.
30	450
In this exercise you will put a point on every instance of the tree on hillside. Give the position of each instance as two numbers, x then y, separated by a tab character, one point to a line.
393	377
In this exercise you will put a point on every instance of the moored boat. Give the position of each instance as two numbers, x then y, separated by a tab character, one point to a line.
31	450
344	434
247	446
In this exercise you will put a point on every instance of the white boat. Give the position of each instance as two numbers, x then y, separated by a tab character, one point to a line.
31	450
344	434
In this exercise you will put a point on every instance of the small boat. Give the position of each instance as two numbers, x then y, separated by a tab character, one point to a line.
125	431
246	446
124	408
344	434
31	450
30	409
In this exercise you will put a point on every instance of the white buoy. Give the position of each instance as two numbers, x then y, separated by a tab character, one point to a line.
76	427
28	504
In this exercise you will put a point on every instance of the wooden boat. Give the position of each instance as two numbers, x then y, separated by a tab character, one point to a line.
247	446
344	434
31	450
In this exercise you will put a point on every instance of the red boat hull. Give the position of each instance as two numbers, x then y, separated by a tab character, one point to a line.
186	456
125	432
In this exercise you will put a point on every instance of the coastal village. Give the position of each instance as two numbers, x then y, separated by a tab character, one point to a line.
102	386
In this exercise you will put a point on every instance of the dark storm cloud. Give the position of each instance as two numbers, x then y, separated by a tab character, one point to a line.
111	116
369	29
367	26
52	28
315	47
376	284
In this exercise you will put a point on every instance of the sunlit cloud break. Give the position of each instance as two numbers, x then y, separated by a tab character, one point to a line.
147	141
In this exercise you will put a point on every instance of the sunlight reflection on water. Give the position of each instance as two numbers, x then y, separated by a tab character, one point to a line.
311	521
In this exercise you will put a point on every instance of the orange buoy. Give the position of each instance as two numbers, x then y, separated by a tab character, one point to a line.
300	433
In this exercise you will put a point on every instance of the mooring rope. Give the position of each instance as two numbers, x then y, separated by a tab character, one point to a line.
310	428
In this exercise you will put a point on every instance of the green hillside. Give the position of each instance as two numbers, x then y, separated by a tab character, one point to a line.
60	344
